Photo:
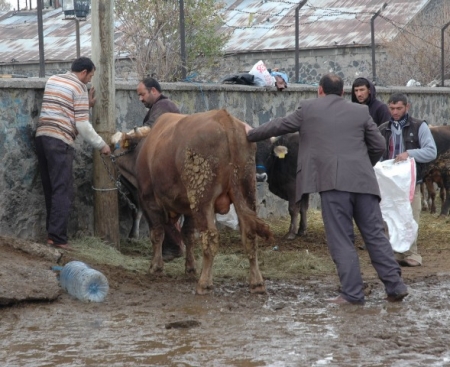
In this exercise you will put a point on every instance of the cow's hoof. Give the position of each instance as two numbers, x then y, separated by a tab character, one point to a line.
301	232
203	291
191	272
258	289
290	236
156	270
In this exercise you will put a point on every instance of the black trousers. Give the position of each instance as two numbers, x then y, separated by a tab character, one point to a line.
339	208
55	165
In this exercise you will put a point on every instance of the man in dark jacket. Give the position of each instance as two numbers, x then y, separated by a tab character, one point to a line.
339	144
150	94
364	92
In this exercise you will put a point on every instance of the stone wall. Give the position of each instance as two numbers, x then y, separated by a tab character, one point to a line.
22	212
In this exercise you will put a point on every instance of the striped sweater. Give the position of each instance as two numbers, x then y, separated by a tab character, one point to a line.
65	111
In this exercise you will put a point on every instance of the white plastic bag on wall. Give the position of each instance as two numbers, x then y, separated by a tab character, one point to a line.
261	75
397	183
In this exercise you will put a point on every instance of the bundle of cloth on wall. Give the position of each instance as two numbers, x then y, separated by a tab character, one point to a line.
260	76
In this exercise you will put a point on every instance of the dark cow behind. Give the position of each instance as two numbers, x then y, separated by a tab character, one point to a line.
276	164
438	171
196	166
428	190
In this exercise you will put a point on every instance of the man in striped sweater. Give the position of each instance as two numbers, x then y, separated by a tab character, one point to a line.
64	115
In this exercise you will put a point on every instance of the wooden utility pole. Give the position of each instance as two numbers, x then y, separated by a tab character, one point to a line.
106	212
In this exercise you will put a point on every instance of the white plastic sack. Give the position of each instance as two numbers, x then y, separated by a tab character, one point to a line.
397	183
261	75
230	219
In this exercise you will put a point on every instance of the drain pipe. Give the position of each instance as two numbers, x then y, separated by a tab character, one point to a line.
442	53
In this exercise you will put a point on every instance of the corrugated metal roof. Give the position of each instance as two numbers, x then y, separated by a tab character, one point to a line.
256	25
19	37
262	25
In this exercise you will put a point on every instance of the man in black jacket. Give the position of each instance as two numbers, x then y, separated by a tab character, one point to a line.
364	92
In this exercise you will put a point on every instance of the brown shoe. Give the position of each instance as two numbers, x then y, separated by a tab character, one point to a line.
339	300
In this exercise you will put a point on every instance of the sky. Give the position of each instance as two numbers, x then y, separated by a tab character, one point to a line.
21	3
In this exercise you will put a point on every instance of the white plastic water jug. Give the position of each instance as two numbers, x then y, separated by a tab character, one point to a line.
83	282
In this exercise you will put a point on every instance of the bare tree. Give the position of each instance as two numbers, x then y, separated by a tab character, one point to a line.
416	52
151	37
4	6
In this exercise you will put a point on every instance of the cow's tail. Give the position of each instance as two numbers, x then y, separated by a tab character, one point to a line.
256	224
243	180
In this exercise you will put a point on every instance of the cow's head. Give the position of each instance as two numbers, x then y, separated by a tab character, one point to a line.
265	152
129	140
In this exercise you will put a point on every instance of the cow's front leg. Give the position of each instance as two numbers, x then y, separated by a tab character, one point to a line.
157	238
293	208
134	232
210	246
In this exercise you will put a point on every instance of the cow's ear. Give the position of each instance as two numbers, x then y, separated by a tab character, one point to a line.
280	151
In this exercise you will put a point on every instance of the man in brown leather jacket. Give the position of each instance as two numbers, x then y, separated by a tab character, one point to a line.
150	94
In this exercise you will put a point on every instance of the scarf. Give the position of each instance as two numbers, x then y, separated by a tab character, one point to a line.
396	141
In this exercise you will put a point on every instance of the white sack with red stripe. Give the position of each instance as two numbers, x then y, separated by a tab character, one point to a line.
397	183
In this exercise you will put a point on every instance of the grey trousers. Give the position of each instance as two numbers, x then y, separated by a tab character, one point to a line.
339	208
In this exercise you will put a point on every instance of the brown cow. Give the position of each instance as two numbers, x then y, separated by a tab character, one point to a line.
196	166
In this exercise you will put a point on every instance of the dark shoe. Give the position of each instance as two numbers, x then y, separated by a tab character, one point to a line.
396	297
60	246
339	300
408	262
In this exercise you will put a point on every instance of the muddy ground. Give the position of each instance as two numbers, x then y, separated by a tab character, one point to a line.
159	321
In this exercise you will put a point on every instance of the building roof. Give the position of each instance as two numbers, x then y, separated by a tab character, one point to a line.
255	25
263	25
19	41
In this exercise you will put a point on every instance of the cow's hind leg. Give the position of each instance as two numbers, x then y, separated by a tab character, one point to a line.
210	245
188	232
248	236
157	238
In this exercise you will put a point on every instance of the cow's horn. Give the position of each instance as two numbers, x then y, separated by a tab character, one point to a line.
274	139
